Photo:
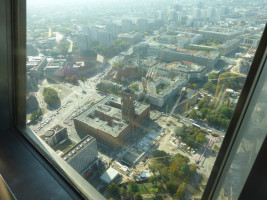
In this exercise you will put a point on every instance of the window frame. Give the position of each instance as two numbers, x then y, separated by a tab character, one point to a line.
13	108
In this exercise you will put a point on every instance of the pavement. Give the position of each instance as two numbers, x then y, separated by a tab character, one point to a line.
72	97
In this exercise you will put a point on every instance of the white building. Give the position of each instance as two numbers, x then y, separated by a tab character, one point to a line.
109	175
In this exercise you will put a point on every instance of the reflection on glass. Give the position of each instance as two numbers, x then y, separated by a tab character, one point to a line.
136	96
253	134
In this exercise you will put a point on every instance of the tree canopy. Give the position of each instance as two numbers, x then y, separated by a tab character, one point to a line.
50	96
192	136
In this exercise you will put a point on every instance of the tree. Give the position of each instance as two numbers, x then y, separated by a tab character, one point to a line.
194	86
201	138
135	87
159	90
179	165
172	186
138	197
203	112
133	187
210	87
204	103
159	153
226	111
193	168
213	76
73	79
180	191
154	190
113	189
162	155
179	131
154	179
118	65
50	96
193	114
36	114
122	191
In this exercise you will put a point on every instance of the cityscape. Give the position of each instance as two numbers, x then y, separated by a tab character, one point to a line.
137	96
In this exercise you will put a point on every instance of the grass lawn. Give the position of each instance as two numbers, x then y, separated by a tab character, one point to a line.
144	187
65	146
62	91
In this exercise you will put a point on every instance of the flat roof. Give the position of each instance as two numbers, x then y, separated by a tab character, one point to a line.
103	107
79	147
49	133
109	175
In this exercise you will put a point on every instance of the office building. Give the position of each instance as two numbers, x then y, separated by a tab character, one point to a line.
126	25
55	135
104	38
83	156
83	41
141	25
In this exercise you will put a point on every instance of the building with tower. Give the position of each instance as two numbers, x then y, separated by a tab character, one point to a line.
127	105
112	120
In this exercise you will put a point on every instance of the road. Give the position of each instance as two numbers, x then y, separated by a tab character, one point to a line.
74	94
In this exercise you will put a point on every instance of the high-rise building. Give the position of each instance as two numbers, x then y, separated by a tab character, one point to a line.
172	15
141	25
179	17
126	25
104	38
112	28
93	34
196	13
83	41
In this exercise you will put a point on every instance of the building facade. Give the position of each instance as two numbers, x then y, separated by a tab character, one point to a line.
110	120
55	135
83	155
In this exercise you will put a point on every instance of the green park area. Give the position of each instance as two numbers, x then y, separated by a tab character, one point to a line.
170	175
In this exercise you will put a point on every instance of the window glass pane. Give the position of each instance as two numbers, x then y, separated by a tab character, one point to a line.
253	132
137	95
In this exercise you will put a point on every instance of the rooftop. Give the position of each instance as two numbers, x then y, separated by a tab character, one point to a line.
78	148
109	175
106	107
